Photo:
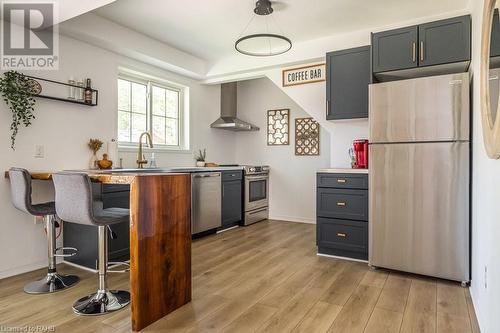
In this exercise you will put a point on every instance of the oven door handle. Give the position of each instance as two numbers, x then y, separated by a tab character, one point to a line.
256	178
257	211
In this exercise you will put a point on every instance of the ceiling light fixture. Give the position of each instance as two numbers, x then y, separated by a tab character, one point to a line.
263	44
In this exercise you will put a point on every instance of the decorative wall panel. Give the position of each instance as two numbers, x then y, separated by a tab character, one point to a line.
278	127
306	137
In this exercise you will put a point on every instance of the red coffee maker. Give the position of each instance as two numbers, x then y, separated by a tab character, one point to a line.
360	154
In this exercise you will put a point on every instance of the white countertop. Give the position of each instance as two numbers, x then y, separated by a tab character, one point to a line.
343	170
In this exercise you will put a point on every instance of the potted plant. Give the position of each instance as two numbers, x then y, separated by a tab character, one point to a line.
94	145
200	158
17	91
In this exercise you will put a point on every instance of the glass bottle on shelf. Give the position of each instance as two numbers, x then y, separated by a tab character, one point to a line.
87	98
79	91
72	94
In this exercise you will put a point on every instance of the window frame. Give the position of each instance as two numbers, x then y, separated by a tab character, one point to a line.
149	83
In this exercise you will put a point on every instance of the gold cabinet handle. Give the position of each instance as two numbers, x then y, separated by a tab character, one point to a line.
327	107
342	204
414	52
422	51
341	234
342	181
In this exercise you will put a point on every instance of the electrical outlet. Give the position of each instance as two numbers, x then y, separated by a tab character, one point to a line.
485	277
39	151
38	219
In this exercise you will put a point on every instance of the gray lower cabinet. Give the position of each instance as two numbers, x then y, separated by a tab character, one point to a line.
342	215
348	76
337	180
343	238
232	198
342	203
84	237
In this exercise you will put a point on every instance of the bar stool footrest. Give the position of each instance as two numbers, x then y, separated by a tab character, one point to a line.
118	263
65	255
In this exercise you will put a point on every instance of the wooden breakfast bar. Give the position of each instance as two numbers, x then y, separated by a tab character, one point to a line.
160	241
160	244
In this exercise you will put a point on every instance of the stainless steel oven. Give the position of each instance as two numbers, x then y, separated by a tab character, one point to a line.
256	193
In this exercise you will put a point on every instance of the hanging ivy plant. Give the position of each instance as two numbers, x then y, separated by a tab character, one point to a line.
17	92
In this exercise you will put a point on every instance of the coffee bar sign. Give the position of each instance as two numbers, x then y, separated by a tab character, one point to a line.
304	74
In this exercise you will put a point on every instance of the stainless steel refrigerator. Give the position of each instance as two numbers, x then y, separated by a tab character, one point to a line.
419	176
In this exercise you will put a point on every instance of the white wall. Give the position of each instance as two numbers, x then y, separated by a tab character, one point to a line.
64	129
312	98
485	206
292	178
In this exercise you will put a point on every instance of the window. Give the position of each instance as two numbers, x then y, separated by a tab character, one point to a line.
145	106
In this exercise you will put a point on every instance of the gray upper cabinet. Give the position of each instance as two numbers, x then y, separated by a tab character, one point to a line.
348	77
436	43
445	41
395	49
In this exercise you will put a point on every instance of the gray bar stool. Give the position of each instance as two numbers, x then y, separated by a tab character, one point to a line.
74	204
20	181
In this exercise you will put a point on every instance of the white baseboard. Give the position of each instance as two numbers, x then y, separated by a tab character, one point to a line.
80	266
293	219
343	258
23	269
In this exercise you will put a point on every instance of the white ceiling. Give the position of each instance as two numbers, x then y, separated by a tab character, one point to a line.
208	28
72	8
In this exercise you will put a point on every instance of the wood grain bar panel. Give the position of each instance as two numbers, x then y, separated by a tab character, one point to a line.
160	246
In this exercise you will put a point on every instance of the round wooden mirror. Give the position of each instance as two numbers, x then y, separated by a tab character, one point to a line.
490	78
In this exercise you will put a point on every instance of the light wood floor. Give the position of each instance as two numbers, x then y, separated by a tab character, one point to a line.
264	278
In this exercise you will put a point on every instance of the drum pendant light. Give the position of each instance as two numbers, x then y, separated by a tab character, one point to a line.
263	44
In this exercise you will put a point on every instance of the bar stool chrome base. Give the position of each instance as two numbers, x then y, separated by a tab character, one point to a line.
51	283
101	303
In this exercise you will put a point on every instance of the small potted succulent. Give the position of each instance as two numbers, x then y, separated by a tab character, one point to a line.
200	158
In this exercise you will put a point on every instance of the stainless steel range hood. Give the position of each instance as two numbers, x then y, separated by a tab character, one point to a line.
228	114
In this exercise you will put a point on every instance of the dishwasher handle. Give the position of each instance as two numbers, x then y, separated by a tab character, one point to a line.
206	175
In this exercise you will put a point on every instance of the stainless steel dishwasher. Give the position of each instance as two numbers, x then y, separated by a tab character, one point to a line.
205	201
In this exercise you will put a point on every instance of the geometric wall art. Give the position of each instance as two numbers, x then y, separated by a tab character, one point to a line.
278	127
306	137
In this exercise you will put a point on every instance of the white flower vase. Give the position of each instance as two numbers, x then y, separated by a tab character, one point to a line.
200	163
93	162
